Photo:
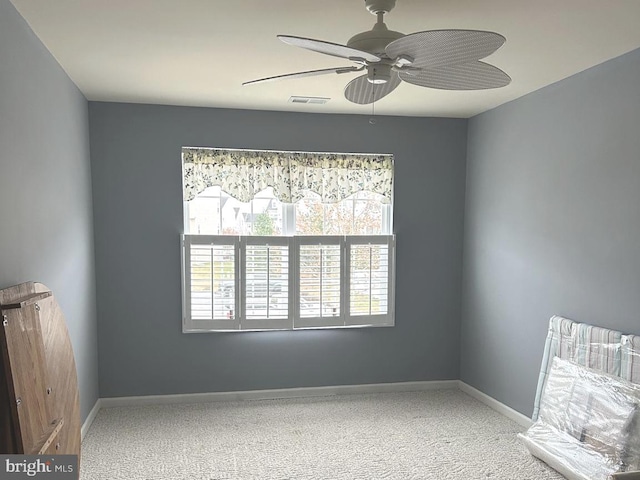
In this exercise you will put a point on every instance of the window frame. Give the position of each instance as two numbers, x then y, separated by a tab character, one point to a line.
201	169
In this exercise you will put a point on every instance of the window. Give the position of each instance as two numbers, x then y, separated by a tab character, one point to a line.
286	240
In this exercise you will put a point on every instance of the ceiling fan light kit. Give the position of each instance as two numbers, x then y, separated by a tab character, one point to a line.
442	59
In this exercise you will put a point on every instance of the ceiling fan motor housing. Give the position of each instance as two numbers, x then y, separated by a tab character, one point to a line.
375	40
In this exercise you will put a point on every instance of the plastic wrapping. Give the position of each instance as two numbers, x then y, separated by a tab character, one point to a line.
602	349
588	425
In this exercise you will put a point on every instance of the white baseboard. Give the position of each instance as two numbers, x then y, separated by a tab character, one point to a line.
499	407
190	398
277	393
90	418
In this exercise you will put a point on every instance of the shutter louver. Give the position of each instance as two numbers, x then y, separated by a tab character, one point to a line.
320	275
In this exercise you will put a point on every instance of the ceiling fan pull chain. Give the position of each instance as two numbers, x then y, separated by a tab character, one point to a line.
372	120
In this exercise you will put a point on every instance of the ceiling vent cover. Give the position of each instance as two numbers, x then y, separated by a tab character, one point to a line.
312	100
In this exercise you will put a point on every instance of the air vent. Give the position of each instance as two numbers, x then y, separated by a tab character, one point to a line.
312	100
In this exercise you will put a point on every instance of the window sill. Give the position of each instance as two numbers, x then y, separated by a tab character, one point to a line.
299	329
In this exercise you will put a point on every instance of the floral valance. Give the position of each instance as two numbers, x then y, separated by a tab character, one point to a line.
244	173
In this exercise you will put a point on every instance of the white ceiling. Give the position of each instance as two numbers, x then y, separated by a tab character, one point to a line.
198	52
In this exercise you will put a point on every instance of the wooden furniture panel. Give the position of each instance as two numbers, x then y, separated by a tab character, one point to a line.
27	377
63	379
39	402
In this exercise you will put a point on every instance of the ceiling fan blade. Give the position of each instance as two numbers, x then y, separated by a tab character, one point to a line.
467	76
328	48
436	48
360	90
310	73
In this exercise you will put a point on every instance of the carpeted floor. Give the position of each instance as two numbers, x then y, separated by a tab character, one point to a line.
442	434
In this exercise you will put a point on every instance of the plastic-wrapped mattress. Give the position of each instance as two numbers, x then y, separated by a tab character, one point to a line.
588	426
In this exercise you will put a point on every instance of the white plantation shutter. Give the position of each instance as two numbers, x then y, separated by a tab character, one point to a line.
266	282
210	268
261	283
370	280
320	281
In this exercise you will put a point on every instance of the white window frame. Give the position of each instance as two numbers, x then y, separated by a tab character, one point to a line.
294	321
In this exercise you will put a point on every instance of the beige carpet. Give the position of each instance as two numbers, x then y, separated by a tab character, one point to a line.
442	434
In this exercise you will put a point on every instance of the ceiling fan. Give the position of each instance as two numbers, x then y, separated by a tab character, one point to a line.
443	59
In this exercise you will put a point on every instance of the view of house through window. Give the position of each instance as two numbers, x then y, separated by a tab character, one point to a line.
214	212
254	262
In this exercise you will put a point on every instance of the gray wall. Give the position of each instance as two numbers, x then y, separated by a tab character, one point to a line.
136	169
552	223
46	231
